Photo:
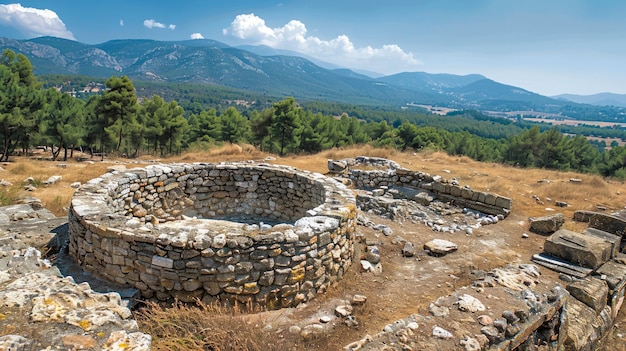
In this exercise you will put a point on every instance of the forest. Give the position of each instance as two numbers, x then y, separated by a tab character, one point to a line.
119	122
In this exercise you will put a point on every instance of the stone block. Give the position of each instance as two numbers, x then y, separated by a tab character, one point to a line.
615	240
580	249
590	291
546	224
162	262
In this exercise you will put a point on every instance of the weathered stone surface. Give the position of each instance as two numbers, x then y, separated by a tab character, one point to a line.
615	224
440	247
615	240
590	291
614	273
582	327
580	249
546	224
468	303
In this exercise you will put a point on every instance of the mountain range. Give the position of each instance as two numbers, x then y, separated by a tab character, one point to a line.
601	99
274	73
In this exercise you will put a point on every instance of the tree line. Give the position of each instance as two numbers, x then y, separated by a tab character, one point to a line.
119	122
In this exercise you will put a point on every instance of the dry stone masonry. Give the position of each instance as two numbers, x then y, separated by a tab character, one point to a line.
429	187
254	233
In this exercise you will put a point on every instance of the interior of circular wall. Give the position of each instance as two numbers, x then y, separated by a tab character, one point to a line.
262	234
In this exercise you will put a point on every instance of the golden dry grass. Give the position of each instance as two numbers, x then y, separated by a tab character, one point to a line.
517	183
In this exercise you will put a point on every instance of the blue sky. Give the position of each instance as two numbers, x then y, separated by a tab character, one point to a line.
546	46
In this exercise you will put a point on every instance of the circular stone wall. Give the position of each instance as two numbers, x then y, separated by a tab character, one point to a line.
164	230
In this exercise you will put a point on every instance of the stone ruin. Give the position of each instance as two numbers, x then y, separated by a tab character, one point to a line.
593	266
276	236
540	314
249	233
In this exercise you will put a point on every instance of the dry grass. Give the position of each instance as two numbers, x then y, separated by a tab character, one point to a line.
202	327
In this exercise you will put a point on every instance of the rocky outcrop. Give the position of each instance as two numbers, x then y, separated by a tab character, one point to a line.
43	309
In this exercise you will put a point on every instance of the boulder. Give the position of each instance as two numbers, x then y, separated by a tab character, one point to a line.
546	224
583	250
440	247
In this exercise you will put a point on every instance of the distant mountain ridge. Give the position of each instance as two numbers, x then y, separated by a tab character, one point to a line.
274	73
600	99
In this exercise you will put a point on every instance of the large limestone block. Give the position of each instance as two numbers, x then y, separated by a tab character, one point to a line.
590	291
615	224
583	328
583	250
615	240
546	224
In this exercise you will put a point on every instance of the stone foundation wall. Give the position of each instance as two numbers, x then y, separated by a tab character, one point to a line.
442	189
148	228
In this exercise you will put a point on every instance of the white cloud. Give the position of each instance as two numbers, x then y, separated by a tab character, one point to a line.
340	50
34	22
196	36
150	23
121	23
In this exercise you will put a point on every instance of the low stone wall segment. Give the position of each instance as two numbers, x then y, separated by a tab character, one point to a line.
152	228
445	190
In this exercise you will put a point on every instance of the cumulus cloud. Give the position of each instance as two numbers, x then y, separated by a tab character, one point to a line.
150	23
340	50
34	22
196	36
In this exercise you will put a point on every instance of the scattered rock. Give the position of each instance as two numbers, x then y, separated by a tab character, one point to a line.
510	317
5	183
468	303
440	247
343	311
525	235
438	311
358	300
325	319
408	250
52	180
561	204
470	344
75	185
485	320
372	254
492	334
500	324
575	180
312	330
441	333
